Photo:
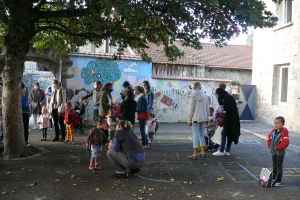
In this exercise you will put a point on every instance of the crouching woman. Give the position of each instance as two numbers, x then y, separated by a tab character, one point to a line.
126	151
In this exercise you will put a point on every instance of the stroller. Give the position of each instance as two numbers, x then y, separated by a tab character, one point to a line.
80	110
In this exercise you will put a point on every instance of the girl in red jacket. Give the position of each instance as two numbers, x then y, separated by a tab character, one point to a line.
278	141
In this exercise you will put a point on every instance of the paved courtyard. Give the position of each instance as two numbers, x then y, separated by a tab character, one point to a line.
61	172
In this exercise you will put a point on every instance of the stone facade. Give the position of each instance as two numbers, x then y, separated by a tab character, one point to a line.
240	76
274	50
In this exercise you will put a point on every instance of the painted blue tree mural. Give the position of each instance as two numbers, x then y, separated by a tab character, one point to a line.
101	70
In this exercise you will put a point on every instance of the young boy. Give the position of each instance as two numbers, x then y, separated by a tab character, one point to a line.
278	141
211	128
94	143
70	123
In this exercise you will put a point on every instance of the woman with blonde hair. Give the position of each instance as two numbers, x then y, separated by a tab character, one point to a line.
143	113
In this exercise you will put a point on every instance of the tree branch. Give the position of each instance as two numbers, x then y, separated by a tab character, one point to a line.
67	13
39	5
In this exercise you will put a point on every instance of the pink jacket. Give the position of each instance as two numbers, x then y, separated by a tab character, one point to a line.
44	120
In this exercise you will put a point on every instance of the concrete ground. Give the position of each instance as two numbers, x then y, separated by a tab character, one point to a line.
62	171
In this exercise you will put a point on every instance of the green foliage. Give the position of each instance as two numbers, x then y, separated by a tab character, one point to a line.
66	24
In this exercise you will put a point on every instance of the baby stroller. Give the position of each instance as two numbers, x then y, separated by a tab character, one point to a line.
80	110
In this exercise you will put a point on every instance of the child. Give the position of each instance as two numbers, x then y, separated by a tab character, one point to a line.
116	108
70	123
278	141
43	121
94	143
151	125
111	122
211	128
48	106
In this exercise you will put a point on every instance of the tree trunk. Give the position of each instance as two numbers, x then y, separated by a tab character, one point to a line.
20	33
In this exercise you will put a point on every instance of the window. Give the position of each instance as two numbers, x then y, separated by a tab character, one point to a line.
287	11
283	83
280	84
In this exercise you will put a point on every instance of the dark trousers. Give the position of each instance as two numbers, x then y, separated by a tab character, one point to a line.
50	123
58	120
277	166
44	133
25	117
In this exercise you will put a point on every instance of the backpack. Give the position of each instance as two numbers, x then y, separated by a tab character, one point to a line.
69	117
24	100
220	120
266	177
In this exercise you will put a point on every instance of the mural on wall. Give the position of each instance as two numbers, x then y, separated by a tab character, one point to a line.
101	70
170	99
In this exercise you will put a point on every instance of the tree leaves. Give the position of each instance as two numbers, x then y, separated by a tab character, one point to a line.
66	25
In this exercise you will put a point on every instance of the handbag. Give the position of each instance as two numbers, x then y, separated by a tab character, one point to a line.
266	177
217	138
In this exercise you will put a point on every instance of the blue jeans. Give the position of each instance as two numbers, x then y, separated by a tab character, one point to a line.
142	124
95	150
198	134
223	142
96	113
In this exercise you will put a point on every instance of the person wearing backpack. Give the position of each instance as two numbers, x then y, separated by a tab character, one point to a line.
278	141
70	123
95	141
25	111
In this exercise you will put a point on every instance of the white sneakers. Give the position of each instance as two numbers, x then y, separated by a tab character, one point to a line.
219	153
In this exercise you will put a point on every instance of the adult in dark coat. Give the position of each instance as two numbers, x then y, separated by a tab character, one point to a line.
128	107
232	128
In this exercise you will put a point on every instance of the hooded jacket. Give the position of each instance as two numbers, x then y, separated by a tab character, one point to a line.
198	110
278	141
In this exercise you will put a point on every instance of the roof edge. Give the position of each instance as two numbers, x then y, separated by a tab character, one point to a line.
187	78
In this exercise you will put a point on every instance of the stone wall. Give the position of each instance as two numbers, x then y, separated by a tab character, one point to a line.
240	76
272	48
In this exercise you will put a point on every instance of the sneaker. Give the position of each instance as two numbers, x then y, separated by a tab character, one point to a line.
55	140
42	139
149	141
218	153
146	146
45	139
134	171
98	166
71	142
209	149
34	128
51	129
122	176
226	153
92	167
66	141
28	144
277	184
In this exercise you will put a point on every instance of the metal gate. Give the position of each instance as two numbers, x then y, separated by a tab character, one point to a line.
247	102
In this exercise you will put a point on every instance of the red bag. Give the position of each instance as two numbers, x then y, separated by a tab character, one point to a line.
220	120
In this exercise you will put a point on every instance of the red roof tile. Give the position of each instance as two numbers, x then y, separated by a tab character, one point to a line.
230	56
